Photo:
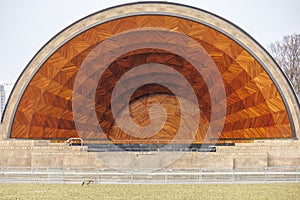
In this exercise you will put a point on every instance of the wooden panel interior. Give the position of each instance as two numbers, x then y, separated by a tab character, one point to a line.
255	109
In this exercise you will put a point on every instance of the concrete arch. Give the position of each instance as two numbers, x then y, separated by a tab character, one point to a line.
286	125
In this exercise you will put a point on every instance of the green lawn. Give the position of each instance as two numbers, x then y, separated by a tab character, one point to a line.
145	191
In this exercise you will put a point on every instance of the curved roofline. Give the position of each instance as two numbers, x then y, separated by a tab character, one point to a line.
150	2
163	13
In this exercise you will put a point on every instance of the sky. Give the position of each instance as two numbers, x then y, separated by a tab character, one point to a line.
27	25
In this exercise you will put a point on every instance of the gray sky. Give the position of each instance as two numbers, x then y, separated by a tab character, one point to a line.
27	25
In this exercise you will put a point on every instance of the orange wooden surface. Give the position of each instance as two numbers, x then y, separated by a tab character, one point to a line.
255	108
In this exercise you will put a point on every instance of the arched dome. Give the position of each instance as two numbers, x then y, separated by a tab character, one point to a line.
259	102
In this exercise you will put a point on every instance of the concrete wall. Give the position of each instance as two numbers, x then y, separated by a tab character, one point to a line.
260	154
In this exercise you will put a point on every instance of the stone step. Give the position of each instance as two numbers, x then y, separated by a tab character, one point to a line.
277	142
284	149
50	148
24	143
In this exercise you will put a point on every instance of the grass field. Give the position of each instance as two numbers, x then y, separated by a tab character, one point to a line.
163	191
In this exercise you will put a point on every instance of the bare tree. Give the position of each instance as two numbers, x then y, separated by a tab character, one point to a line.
287	55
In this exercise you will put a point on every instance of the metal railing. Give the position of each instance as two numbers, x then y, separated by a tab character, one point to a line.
95	175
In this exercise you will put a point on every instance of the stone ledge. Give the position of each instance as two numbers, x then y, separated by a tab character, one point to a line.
260	143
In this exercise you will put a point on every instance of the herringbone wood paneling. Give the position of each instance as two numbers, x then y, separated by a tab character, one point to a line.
255	108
